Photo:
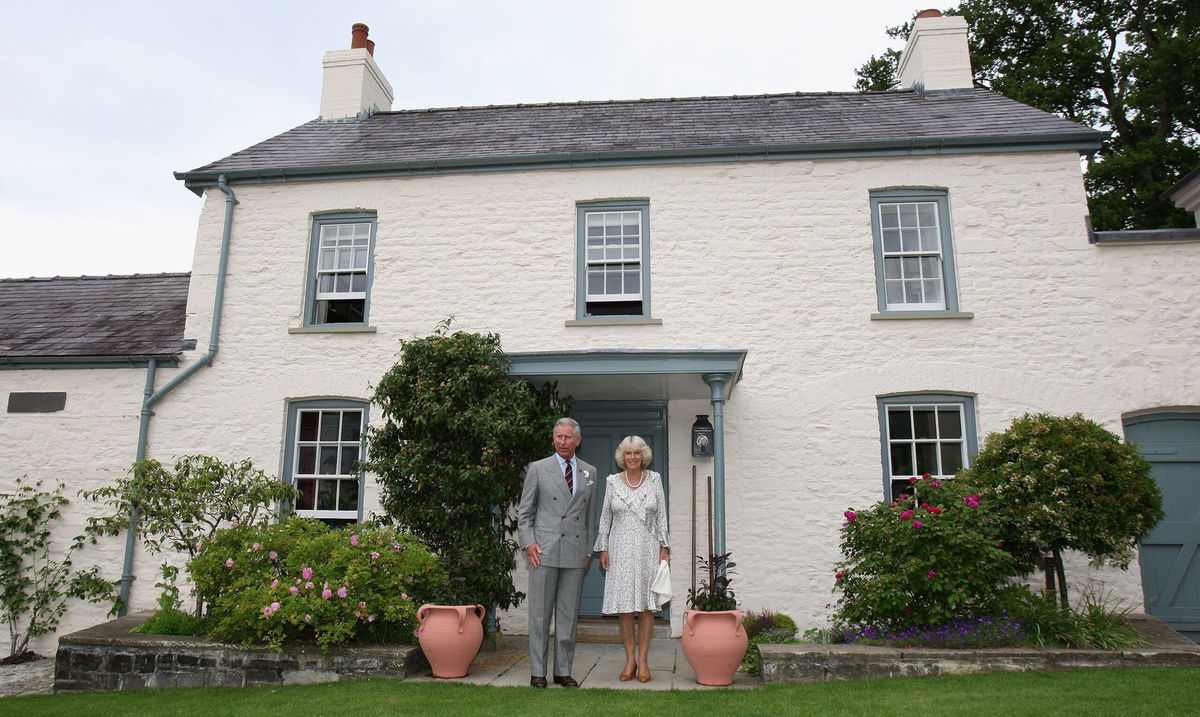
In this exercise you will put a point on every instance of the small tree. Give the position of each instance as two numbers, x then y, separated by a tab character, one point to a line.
1066	483
451	456
180	507
34	587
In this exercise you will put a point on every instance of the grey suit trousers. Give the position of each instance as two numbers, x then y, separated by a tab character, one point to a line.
557	590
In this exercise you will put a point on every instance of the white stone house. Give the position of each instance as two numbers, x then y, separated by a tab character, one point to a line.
854	288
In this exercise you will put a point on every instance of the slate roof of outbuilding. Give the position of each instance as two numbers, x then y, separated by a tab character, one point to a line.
801	121
137	315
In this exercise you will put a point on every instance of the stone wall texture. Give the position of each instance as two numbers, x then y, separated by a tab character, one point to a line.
771	257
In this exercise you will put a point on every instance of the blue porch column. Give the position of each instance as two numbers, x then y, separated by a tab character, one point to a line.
718	384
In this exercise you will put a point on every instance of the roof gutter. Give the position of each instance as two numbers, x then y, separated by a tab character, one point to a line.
1082	141
151	397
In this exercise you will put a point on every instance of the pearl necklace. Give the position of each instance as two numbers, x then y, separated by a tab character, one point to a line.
629	481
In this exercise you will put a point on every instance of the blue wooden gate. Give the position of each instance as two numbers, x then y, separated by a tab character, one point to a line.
1168	556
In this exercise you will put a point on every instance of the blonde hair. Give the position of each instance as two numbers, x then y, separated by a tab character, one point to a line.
634	443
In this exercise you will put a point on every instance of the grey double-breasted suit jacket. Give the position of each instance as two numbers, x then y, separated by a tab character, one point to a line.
563	526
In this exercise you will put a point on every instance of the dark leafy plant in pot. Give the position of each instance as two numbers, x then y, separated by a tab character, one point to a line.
713	593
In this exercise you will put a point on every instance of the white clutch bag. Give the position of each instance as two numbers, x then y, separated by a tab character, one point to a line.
661	587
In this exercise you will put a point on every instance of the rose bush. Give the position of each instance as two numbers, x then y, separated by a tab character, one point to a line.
934	555
301	580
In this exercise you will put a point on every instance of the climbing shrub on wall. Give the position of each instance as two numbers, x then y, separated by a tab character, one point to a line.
450	457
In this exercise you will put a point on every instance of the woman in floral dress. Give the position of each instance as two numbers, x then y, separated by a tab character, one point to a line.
632	540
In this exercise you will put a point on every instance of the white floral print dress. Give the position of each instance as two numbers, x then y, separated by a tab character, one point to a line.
633	526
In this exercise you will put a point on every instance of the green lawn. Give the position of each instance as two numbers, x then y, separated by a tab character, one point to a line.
1134	691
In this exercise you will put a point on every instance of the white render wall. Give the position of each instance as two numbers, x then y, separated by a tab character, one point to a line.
91	442
771	257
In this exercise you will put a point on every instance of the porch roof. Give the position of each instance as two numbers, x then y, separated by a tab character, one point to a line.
628	374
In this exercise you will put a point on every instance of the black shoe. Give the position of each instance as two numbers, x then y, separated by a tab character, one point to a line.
539	682
565	681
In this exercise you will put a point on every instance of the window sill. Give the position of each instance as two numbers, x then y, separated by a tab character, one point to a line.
898	315
331	329
622	321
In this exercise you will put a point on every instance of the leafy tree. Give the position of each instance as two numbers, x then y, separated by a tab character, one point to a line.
184	505
1066	483
451	455
34	588
1126	66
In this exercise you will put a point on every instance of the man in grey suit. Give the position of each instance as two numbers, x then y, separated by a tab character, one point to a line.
557	527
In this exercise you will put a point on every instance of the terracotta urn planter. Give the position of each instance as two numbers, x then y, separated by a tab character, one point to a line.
714	644
450	636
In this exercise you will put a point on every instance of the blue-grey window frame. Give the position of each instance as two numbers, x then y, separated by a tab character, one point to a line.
294	408
970	427
314	253
949	274
612	205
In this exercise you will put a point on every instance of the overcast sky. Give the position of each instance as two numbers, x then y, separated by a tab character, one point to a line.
102	101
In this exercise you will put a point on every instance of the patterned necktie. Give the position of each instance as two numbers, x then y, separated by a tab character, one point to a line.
570	476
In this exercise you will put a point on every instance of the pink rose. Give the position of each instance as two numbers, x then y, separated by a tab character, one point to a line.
906	515
274	584
258	546
229	563
917	524
267	611
308	618
851	516
931	573
306	573
972	500
326	593
274	606
370	618
374	555
342	592
294	590
354	540
934	509
362	604
273	555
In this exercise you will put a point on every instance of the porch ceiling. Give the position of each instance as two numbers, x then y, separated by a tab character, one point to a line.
630	374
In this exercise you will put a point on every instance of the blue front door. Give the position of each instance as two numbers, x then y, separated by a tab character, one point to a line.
1168	556
605	424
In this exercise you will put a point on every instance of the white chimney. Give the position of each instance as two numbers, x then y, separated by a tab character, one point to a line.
936	58
353	83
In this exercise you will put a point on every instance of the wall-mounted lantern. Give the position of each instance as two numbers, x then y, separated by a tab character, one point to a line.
702	436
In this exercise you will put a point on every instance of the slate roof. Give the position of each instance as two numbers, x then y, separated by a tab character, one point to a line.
92	316
582	132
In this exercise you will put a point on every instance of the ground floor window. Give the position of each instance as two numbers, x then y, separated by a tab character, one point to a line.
324	445
925	434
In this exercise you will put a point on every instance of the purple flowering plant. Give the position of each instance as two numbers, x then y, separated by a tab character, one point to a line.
930	558
323	585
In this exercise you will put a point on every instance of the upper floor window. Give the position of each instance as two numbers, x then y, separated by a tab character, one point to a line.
614	259
925	433
340	269
324	444
914	264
